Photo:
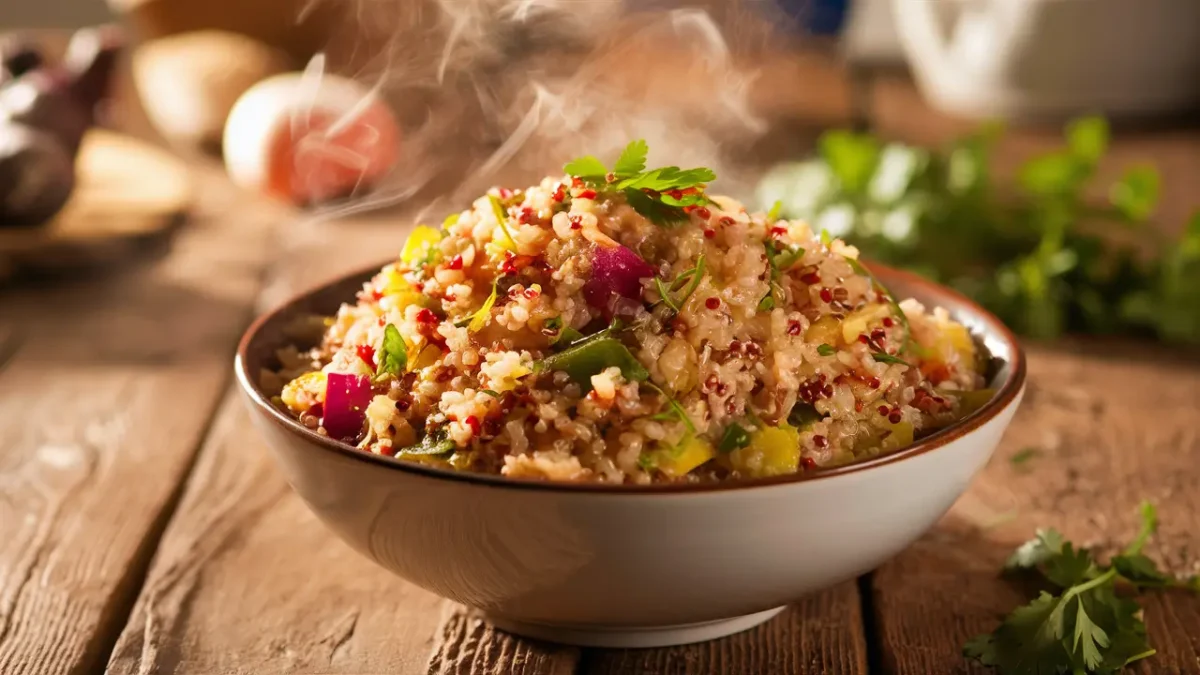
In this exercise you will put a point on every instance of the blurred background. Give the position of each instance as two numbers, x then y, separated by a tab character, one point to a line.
1039	155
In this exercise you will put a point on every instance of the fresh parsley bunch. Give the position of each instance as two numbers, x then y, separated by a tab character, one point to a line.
662	195
1038	254
1086	627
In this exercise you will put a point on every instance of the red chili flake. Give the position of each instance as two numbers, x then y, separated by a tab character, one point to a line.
887	322
812	278
709	234
878	335
895	417
873	383
884	410
826	295
382	321
456	263
793	328
703	213
677	194
450	297
387	451
808	462
776	231
576	222
587	194
473	422
420	286
864	339
367	354
560	192
527	215
376	296
858	406
689	209
532	293
576	181
820	441
712	303
426	315
725	221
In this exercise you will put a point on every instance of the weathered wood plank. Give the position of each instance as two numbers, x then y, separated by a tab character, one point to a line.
820	635
103	405
1113	428
248	581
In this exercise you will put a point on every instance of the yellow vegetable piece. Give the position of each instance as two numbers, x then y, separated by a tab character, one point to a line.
856	323
427	356
303	392
970	401
901	437
773	451
824	330
419	242
956	337
681	459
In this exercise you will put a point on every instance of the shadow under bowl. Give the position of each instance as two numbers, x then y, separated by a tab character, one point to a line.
623	565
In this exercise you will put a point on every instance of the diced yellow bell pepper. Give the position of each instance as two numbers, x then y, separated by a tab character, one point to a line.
773	451
970	401
681	459
901	437
303	392
823	331
396	286
857	323
418	242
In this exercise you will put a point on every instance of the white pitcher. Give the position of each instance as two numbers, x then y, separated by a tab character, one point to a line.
1054	58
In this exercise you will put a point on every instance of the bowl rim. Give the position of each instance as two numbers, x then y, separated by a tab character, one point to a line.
1006	394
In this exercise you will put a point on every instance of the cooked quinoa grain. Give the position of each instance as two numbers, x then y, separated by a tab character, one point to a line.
625	326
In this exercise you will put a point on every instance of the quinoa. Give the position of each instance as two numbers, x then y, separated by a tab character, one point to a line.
560	333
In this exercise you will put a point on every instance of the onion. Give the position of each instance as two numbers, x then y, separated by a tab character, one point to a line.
616	273
346	400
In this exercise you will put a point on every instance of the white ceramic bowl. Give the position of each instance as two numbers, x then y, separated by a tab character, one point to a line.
631	566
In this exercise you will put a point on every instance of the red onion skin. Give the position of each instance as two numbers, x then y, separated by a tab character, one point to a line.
617	274
346	401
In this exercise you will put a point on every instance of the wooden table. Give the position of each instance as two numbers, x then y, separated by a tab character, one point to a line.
145	529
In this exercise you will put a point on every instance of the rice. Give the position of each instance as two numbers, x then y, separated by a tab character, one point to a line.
571	337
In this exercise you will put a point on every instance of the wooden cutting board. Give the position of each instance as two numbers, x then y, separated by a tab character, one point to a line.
129	195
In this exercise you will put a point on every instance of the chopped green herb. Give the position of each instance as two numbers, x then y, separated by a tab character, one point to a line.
665	294
767	303
646	461
489	392
502	220
1023	456
826	239
826	350
586	167
696	277
803	414
676	411
906	342
735	437
632	160
433	443
883	357
1087	628
393	358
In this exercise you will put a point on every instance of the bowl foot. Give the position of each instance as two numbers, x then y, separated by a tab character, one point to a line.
633	637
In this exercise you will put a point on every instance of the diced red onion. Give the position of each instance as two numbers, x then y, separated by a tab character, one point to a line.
346	401
615	272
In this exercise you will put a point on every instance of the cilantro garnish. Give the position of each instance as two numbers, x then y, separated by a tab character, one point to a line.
1087	628
859	268
434	442
648	192
735	437
394	355
826	350
803	414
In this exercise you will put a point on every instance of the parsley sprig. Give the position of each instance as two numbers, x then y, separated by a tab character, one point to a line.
1087	627
662	195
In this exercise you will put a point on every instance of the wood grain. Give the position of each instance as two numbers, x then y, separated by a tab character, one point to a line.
820	635
1112	428
103	405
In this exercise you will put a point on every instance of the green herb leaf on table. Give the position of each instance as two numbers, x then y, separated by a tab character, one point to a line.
1023	456
1136	194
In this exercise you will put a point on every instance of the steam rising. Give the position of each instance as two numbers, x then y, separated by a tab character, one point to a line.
492	91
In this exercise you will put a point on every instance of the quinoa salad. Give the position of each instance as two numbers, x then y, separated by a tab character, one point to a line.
623	325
